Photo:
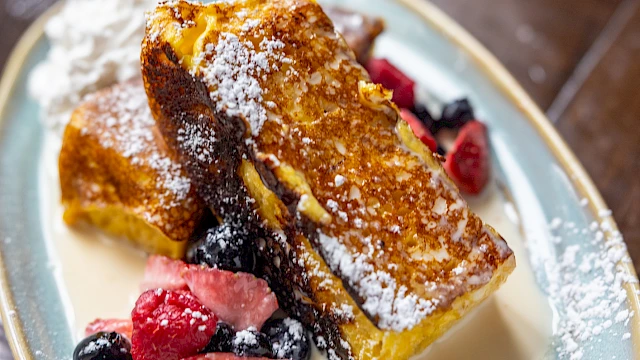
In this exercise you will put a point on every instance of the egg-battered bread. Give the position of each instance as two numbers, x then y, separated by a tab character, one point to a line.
99	125
361	233
117	173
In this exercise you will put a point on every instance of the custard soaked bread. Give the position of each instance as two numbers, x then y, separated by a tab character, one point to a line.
107	132
362	234
116	173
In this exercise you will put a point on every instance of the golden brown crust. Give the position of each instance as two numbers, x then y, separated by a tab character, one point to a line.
113	159
337	171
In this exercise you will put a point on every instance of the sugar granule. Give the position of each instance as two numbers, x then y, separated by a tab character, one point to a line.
588	287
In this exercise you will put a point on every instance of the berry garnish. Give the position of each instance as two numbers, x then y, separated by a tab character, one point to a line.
288	338
456	114
222	340
251	343
224	248
170	325
383	72
419	129
422	113
121	326
103	346
222	356
165	273
240	299
468	162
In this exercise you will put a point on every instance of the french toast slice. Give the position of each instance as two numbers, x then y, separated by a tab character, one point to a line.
117	173
361	233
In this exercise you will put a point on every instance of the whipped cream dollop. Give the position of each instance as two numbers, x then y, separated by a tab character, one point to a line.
94	44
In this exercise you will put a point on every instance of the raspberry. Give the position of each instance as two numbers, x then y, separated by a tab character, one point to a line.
383	72
468	162
170	325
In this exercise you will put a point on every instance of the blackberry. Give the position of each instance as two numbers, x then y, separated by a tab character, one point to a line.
456	114
251	343
422	113
223	247
288	338
222	340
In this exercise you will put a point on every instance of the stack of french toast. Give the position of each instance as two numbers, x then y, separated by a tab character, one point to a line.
260	113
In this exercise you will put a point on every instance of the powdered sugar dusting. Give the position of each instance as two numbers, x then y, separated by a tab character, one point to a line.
395	308
233	73
123	122
198	140
290	340
246	337
588	288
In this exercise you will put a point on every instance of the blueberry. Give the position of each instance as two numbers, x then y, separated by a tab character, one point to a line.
103	346
441	151
251	343
288	338
223	247
222	340
456	114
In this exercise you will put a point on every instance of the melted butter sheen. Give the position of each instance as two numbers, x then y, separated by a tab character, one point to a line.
100	277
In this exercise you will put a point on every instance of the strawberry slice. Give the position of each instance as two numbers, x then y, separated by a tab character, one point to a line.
468	162
170	325
239	299
419	129
222	356
121	326
165	273
383	72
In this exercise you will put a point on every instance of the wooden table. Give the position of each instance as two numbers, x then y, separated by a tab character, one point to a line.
579	60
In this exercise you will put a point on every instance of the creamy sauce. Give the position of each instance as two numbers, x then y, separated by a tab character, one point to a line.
516	321
100	277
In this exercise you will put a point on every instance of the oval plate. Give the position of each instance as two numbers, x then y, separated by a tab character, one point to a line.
532	161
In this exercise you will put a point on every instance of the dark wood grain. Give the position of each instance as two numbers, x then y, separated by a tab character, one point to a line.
602	125
540	42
